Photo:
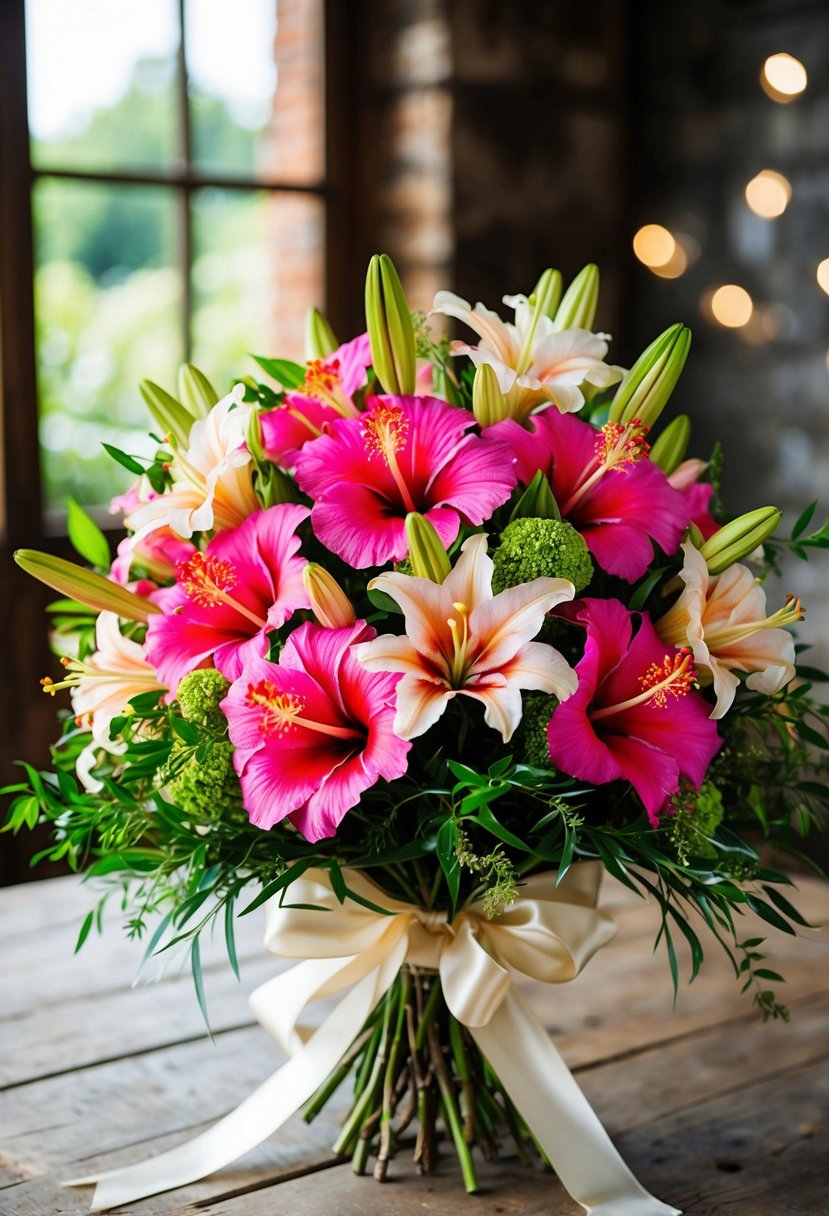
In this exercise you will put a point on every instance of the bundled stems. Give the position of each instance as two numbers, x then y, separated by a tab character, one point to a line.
411	1060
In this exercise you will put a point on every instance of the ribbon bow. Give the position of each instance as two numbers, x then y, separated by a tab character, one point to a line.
549	933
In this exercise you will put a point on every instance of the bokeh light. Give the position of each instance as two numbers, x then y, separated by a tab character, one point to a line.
731	306
768	194
654	245
783	78
823	275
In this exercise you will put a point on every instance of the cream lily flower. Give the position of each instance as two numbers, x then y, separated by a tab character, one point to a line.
723	619
462	639
102	685
534	365
212	480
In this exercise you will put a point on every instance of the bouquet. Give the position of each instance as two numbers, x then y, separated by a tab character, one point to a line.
428	635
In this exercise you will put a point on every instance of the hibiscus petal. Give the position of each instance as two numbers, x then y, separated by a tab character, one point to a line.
271	791
652	773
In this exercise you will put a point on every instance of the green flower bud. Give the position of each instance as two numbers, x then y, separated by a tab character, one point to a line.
272	485
197	393
84	585
426	553
390	329
320	339
739	538
488	402
541	548
647	387
537	501
581	299
668	451
169	415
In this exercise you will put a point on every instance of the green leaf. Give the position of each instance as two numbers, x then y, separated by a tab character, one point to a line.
278	884
384	602
467	775
485	819
810	735
804	520
188	731
88	922
788	909
446	845
762	973
86	537
640	595
761	909
128	462
338	882
567	853
692	940
284	371
230	936
198	982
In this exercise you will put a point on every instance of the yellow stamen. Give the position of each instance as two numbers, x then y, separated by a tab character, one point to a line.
284	711
384	434
459	660
617	445
675	676
207	580
789	614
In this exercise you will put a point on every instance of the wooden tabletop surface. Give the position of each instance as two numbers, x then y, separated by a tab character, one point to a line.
714	1111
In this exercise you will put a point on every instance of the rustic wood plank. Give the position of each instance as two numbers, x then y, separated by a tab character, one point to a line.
55	1121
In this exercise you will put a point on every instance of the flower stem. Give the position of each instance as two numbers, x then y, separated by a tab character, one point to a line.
386	1134
450	1112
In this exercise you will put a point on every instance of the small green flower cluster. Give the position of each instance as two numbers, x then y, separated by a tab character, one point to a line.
204	784
541	548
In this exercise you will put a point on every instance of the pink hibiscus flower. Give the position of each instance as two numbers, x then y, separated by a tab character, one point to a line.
634	716
605	486
246	581
404	454
327	393
314	731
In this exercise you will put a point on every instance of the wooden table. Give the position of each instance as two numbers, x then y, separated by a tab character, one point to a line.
712	1109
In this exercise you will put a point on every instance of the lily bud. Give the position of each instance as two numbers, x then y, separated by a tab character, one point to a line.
543	301
197	394
320	339
84	585
547	292
329	603
537	501
668	451
739	538
488	402
390	329
169	415
581	299
647	387
426	553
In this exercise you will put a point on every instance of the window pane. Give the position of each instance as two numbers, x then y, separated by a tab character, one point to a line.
107	312
258	266
255	72
102	83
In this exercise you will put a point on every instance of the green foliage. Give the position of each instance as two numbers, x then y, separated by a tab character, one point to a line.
541	548
538	709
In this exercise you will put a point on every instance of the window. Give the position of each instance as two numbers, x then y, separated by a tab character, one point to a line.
178	191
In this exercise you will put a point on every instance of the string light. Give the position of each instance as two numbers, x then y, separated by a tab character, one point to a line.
783	78
768	194
654	245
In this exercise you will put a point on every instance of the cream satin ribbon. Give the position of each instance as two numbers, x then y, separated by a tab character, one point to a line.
549	933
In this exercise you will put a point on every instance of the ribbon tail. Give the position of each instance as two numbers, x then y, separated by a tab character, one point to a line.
557	1113
257	1118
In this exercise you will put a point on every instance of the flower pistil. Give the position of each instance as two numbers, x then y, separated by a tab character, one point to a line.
675	676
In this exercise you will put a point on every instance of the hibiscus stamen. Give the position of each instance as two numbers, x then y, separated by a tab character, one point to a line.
284	711
385	434
791	612
207	579
322	381
674	677
617	445
306	422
